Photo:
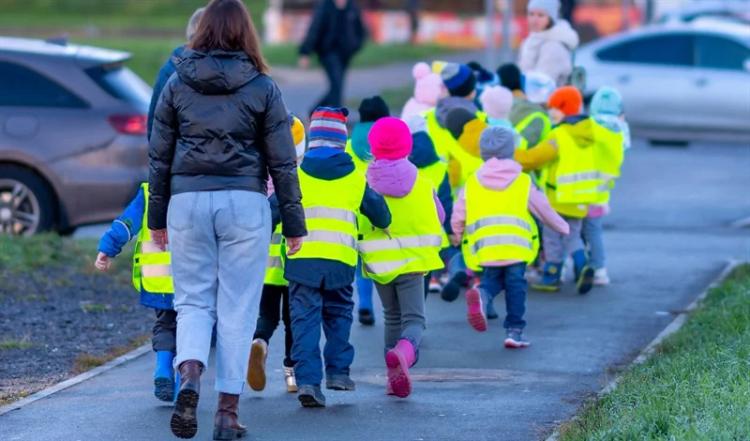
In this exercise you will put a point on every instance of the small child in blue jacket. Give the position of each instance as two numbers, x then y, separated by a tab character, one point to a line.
152	278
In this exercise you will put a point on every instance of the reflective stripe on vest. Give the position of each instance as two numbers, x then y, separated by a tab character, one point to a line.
499	225
152	270
412	244
577	178
331	217
275	262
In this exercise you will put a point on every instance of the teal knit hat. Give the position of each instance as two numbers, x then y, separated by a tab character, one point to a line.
606	101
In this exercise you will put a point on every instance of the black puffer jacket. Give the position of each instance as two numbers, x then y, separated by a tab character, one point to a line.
222	125
335	30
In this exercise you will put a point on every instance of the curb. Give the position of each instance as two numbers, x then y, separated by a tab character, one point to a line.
70	382
671	328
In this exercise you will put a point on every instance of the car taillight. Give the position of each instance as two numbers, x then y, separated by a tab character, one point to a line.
129	124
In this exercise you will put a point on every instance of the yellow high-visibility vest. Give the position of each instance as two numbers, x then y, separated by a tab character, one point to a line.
528	119
152	270
414	238
608	156
331	216
359	165
275	263
441	137
498	223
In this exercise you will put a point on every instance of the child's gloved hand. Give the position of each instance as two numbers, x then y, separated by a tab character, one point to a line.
103	262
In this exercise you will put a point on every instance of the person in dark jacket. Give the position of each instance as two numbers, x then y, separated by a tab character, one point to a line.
167	70
336	34
321	275
220	128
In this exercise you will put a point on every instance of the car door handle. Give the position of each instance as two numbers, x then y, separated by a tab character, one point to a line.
623	79
701	82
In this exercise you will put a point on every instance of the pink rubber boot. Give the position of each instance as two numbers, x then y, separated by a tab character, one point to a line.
399	360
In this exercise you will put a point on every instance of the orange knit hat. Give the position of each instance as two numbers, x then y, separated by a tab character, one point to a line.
566	99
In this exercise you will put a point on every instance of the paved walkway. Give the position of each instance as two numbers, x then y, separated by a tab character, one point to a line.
669	235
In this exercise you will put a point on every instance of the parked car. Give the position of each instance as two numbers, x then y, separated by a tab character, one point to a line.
679	82
73	145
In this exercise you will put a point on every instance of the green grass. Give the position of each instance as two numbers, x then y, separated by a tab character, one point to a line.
7	345
697	385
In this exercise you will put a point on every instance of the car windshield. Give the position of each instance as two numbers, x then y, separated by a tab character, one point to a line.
122	83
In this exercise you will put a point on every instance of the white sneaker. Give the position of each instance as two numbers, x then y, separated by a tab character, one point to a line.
601	278
568	273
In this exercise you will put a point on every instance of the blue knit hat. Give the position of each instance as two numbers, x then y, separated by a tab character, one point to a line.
606	101
328	127
459	79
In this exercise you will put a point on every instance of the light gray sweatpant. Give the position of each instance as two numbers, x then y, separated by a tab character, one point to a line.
403	309
557	246
219	242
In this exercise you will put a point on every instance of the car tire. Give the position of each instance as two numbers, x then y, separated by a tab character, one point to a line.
27	204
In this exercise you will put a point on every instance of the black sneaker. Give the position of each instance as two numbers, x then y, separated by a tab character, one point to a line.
311	396
366	317
340	382
585	280
452	289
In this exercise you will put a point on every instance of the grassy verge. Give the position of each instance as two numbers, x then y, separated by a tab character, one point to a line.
86	361
695	387
149	54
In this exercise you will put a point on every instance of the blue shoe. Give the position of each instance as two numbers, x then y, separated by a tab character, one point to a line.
164	384
584	273
550	278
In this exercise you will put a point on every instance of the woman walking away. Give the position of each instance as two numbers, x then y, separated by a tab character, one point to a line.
550	44
336	34
219	129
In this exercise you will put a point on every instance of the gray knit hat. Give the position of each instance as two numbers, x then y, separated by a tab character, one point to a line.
551	7
497	142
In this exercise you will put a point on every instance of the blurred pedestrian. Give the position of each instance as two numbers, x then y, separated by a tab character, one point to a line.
168	68
220	128
336	34
550	44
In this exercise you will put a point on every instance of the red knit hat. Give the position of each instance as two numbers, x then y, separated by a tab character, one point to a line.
566	99
390	138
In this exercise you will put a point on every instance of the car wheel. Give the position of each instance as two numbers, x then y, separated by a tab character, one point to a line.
26	202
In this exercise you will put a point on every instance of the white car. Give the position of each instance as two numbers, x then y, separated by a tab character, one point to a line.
678	82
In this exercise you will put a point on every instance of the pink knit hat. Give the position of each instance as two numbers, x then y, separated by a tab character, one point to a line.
497	101
390	138
428	87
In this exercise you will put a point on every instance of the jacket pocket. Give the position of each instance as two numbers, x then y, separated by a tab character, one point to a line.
181	211
249	209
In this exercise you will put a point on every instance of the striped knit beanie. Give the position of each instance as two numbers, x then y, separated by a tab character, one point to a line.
328	127
459	79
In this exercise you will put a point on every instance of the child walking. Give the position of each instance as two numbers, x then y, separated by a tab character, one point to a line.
321	274
398	259
152	278
275	293
613	138
493	215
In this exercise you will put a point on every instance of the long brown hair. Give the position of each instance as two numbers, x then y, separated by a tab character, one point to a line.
226	25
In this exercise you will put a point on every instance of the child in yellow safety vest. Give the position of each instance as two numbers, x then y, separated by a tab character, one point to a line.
274	301
152	278
397	259
493	219
613	137
570	180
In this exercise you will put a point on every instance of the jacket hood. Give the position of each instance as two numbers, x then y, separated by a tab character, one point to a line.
581	128
561	32
393	178
327	163
498	174
423	152
445	105
216	72
360	144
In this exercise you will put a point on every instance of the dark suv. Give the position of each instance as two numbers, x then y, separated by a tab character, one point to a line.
73	145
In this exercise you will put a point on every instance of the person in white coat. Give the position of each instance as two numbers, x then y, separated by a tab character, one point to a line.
550	44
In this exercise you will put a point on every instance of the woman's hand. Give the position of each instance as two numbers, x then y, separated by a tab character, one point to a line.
304	62
293	245
102	262
159	237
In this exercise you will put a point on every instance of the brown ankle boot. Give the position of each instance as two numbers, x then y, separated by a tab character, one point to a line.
226	425
184	422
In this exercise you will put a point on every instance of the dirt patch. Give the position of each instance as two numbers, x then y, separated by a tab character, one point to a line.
60	320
